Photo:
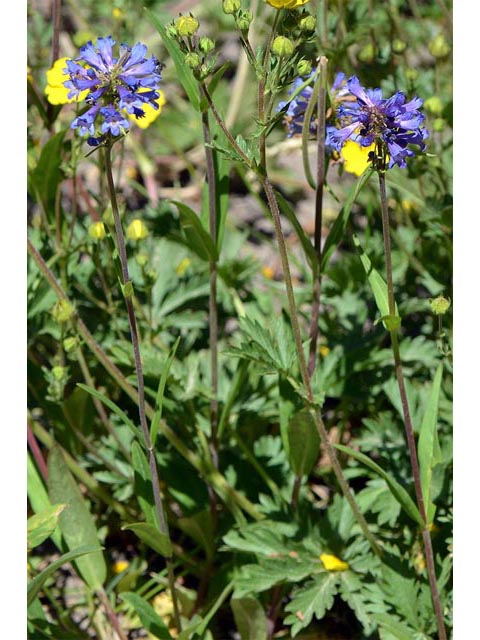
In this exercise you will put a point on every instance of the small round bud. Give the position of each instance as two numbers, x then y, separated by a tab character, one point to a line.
96	231
187	25
398	46
142	259
439	125
367	53
411	75
70	344
206	45
439	305
439	47
203	72
307	23
304	67
62	311
433	105
171	30
244	20
137	230
283	47
231	6
59	372
192	60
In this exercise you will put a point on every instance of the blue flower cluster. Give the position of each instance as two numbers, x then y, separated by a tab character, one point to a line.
390	123
116	87
364	116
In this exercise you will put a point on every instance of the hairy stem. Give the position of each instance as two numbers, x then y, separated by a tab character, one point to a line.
261	91
128	295
429	557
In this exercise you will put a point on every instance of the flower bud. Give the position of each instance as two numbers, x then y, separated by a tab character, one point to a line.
307	23
206	45
137	230
439	125
282	47
187	25
192	60
244	20
398	46
59	372
433	105
411	75
304	67
439	47
142	259
62	310
440	305
171	30
231	6
70	344
96	231
367	53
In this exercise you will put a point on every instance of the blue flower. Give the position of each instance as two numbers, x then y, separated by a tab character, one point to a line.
391	124
129	82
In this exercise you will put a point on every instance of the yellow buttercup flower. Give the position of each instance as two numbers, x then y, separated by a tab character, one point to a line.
137	230
356	157
55	91
286	4
332	563
119	566
151	114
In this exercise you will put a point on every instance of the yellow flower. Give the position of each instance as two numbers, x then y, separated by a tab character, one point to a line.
355	157
332	563
268	272
119	566
55	91
323	350
286	4
151	114
137	230
182	266
97	231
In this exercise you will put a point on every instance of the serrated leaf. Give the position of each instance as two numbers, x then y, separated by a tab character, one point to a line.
397	490
35	585
76	522
255	578
43	524
152	537
429	453
303	442
149	618
379	289
390	628
337	231
196	237
313	599
250	618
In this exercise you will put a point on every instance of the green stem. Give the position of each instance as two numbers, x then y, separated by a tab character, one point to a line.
261	91
128	295
429	557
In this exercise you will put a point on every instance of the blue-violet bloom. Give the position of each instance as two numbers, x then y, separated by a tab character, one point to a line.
126	83
391	124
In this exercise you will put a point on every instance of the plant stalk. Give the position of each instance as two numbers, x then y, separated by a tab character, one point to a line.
429	557
128	295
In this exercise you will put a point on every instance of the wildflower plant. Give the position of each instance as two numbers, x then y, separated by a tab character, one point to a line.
228	456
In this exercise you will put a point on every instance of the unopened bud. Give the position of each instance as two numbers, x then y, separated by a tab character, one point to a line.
97	231
187	25
142	259
231	6
137	230
367	53
398	46
439	47
282	47
433	105
192	60
244	20
411	75
59	372
206	45
70	344
307	23
171	30
440	305
439	125
62	311
304	67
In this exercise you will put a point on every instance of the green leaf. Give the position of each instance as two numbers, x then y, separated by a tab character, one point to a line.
379	288
313	599
429	453
250	618
288	403
199	528
143	485
149	618
337	231
197	238
47	175
303	442
305	241
222	195
76	522
391	628
42	525
184	73
160	392
35	585
113	407
397	490
38	497
152	536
